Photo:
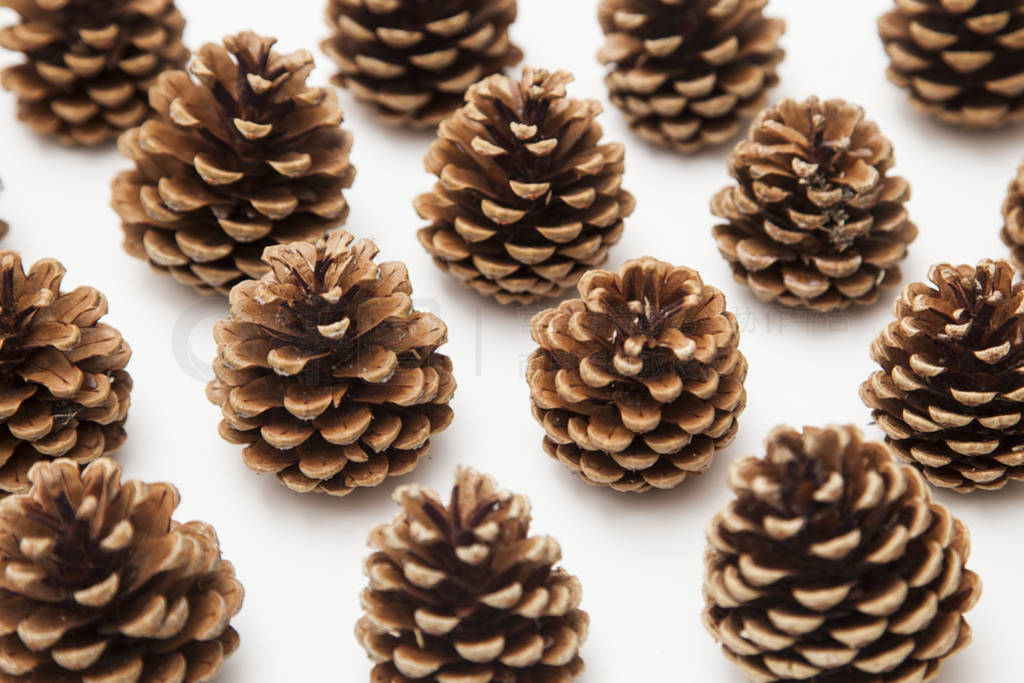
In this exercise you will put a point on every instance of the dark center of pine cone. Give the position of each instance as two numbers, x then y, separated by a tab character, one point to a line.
13	325
78	560
465	583
830	158
690	20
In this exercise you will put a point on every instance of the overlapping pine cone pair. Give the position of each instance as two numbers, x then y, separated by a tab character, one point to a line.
241	156
960	60
412	60
528	197
833	563
950	391
814	219
326	373
64	391
686	73
101	585
640	380
464	593
88	65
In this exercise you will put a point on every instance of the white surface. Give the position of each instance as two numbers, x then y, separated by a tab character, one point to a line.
639	556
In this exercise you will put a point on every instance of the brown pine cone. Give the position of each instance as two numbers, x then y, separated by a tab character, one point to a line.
247	157
326	373
528	199
412	60
101	585
1013	219
640	380
950	394
686	73
64	391
960	59
814	219
833	564
88	65
465	593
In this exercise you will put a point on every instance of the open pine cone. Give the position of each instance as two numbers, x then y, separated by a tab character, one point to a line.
247	157
412	60
326	373
640	380
528	198
465	593
101	585
88	65
950	394
833	564
961	60
686	73
63	387
1013	219
814	219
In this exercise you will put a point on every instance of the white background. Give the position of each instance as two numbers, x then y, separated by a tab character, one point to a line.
638	556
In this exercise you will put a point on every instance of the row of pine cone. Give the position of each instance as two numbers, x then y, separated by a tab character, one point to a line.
832	561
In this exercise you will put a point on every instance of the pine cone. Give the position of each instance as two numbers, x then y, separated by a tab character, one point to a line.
464	593
834	564
101	585
1013	219
326	372
63	387
814	220
88	65
248	157
527	199
412	60
640	380
960	59
685	73
950	393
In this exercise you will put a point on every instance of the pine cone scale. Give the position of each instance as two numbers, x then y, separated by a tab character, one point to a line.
86	85
469	596
326	373
152	599
947	395
527	199
413	63
244	156
796	591
685	74
639	381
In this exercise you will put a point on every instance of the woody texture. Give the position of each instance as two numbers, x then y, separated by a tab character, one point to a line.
89	65
101	585
412	60
463	592
528	198
241	155
949	394
325	372
64	391
687	73
959	60
814	219
833	563
639	380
